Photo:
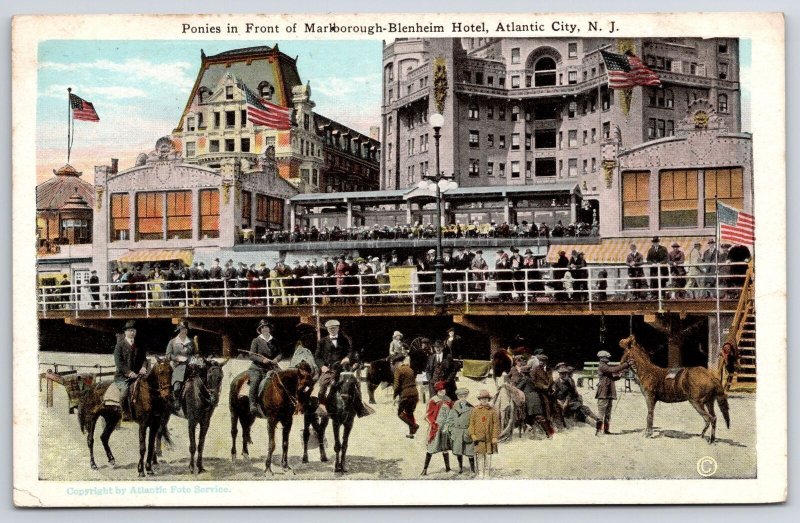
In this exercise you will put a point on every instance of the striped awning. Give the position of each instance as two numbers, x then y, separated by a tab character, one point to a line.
156	255
615	250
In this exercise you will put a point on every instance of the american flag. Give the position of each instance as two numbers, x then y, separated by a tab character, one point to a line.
262	112
82	110
735	226
627	70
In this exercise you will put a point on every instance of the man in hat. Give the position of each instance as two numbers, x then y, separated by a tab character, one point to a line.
606	388
397	346
570	400
458	422
440	367
538	388
437	415
454	345
517	263
179	350
477	275
634	261
657	259
335	353
559	271
215	274
94	289
194	284
711	259
405	388
394	261
675	260
484	431
130	362
264	355
203	285
695	271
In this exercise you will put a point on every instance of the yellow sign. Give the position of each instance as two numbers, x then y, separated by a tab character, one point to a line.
401	278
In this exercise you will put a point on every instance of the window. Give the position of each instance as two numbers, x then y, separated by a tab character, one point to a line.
572	77
501	82
230	145
209	213
573	167
230	119
490	112
670	127
585	166
651	128
594	134
120	216
528	170
474	167
573	138
229	92
722	47
474	112
527	141
490	169
635	200
661	129
150	216
243	118
515	55
247	209
213	146
722	103
490	140
545	167
560	140
585	137
515	169
515	142
478	78
593	104
572	109
261	208
501	112
391	94
528	80
501	170
390	72
606	130
179	214
515	81
275	213
76	231
722	70
669	99
502	143
544	72
605	97
678	198
190	149
572	50
514	113
728	186
467	76
490	80
594	164
216	120
190	124
545	139
413	142
245	145
661	98
474	138
389	125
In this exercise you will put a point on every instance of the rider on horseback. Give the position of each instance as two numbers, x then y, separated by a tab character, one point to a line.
334	354
129	360
179	350
265	355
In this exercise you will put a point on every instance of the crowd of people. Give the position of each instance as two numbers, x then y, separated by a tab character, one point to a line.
419	231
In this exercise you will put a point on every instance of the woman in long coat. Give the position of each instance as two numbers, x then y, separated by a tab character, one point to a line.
458	422
437	417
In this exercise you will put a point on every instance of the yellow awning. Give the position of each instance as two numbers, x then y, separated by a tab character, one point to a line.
615	250
156	255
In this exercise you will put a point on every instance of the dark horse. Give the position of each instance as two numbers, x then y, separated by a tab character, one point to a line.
286	394
697	385
341	409
200	398
502	361
380	371
148	398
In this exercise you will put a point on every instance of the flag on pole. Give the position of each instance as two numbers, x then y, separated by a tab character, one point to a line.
735	226
82	110
262	112
627	70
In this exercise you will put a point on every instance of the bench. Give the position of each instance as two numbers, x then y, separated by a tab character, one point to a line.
589	374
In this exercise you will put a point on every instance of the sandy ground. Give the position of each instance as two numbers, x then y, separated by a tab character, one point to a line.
379	450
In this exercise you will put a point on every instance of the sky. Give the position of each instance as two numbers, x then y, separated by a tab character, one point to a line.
139	89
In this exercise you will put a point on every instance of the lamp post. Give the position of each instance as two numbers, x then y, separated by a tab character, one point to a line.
441	184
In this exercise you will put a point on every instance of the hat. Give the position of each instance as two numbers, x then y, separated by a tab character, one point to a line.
655	239
431	251
451	329
130	324
698	243
570	368
439	385
711	241
604	355
230	261
216	260
438	343
94	272
202	264
394	253
562	253
263	264
499	251
542	357
262	324
563	369
560	364
181	325
484	394
331	323
528	251
676	244
514	249
479	251
462	391
537	352
396	334
725	246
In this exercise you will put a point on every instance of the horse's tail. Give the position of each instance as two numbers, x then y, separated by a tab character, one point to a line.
722	400
165	437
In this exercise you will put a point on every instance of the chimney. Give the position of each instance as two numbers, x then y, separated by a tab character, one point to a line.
114	165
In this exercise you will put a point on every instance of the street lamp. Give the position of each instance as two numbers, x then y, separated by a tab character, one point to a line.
440	184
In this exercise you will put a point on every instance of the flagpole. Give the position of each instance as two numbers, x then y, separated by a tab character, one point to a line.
69	118
716	262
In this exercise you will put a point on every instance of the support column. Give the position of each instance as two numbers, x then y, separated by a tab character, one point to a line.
408	212
292	216
227	346
349	221
573	208
507	210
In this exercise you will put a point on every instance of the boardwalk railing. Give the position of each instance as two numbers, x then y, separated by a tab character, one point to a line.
655	284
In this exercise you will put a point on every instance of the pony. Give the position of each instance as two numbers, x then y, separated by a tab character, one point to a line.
697	385
285	394
341	411
380	371
502	361
148	398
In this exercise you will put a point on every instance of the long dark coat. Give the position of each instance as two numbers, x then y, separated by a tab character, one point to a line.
127	358
327	354
607	375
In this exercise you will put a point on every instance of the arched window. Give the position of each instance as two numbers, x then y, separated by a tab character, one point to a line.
544	72
266	90
722	103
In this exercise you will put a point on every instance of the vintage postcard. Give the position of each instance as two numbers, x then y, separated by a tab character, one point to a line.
328	259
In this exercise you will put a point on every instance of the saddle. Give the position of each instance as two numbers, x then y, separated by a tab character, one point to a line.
113	397
244	389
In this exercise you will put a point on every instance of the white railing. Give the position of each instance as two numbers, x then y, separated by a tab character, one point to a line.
648	283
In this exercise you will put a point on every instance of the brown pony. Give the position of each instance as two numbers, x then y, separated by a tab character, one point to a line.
697	385
502	361
285	395
148	398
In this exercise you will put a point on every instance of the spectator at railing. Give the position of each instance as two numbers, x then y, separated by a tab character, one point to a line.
634	261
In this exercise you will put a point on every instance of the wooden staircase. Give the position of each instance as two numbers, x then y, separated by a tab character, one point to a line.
742	334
